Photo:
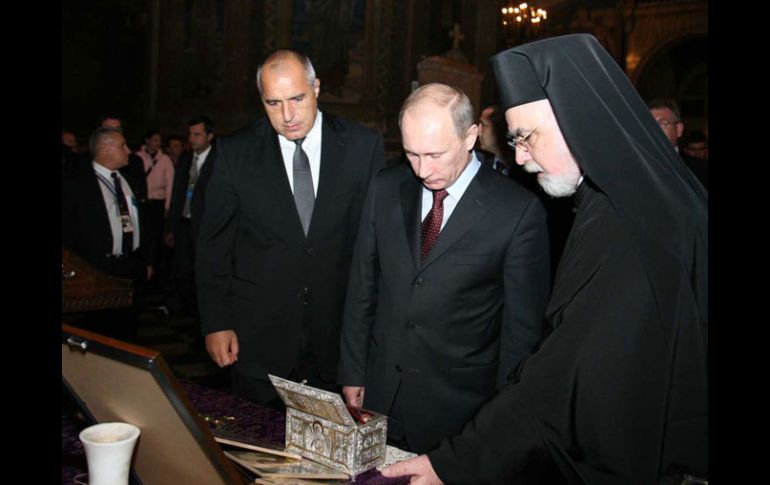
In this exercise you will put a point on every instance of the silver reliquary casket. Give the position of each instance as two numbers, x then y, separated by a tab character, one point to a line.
321	428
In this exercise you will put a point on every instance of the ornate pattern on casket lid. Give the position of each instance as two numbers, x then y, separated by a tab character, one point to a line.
310	400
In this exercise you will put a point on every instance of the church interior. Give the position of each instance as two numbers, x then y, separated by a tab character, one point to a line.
157	64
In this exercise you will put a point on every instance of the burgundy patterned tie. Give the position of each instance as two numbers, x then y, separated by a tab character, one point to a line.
431	226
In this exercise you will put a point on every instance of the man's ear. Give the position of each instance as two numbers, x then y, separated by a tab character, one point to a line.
317	87
470	136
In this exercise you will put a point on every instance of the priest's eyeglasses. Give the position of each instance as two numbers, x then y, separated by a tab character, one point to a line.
663	123
521	142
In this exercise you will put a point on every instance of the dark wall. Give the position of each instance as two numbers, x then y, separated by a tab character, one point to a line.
103	63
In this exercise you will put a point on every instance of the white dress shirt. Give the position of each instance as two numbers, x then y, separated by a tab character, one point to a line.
201	158
454	193
104	175
312	147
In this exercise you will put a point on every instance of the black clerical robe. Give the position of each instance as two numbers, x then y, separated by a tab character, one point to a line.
595	404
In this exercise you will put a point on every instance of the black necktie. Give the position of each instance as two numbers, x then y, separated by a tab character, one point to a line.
304	196
125	217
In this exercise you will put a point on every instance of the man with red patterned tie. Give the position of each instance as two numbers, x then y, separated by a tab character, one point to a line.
449	281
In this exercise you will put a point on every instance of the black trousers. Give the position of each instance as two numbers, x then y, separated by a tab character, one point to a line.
154	226
182	297
396	427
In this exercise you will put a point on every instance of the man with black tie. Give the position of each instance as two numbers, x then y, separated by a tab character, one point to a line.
190	179
134	168
101	223
281	215
449	281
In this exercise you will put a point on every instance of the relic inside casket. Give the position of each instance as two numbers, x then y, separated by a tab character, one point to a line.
321	428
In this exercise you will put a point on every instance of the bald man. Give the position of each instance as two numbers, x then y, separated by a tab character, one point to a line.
281	214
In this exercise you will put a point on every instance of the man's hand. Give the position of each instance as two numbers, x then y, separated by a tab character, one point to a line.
169	239
354	395
150	272
418	469
222	347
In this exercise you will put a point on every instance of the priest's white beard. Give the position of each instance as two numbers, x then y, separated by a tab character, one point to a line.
555	185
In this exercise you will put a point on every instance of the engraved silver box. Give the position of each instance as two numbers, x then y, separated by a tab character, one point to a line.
320	428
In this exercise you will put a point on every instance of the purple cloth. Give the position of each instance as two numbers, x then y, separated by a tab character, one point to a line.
254	422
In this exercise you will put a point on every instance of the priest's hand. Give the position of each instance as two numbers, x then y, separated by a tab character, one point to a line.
222	347
419	470
354	395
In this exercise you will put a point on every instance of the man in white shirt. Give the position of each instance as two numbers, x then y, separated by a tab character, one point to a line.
102	221
190	179
281	215
449	280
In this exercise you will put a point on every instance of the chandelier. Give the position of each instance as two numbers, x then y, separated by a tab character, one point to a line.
522	23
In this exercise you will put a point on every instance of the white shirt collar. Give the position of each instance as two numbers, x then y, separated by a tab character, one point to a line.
203	154
461	184
104	171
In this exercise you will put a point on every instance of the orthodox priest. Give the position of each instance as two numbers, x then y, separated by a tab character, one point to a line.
617	392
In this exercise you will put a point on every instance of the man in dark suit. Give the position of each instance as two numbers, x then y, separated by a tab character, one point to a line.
282	210
449	281
191	177
102	223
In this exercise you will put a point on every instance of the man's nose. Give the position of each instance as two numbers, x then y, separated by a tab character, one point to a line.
425	168
288	112
522	156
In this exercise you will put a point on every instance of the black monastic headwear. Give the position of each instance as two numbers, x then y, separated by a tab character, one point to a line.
618	145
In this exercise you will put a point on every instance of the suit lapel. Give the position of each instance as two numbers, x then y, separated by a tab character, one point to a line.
411	191
332	162
206	168
470	209
275	182
99	207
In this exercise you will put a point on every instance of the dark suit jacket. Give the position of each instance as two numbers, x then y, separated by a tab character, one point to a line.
698	166
559	209
256	272
448	332
86	224
179	192
133	172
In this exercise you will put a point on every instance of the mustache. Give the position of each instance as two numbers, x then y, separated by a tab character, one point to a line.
532	167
